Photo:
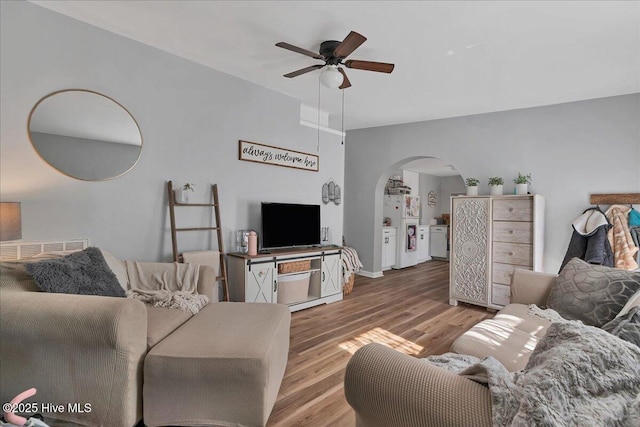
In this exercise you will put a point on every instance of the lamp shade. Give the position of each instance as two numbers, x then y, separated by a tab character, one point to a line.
331	77
10	221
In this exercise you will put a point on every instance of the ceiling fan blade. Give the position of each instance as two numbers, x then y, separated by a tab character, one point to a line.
299	50
345	83
303	71
349	44
380	67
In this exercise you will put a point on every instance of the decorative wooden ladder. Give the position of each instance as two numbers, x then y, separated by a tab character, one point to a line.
222	277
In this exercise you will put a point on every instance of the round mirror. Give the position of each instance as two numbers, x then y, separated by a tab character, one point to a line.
85	135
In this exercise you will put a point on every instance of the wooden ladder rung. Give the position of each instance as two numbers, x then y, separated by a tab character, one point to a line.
221	279
197	228
196	204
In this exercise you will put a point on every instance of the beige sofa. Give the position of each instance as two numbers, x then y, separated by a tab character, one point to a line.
388	388
79	349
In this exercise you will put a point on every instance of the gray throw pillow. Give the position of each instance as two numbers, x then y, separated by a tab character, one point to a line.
85	272
591	293
626	327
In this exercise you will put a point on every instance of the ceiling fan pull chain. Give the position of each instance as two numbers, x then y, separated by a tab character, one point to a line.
318	121
343	117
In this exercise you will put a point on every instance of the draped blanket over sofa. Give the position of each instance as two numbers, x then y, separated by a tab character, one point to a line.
524	367
577	375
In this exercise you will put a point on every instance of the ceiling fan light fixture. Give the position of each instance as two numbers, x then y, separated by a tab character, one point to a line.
334	54
330	77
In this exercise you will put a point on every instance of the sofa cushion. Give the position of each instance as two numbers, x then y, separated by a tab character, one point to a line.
626	327
530	287
223	367
510	337
85	272
162	321
517	316
14	277
594	294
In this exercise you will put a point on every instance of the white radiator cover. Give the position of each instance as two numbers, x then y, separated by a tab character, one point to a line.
19	250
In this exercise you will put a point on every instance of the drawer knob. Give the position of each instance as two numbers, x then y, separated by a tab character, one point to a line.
510	231
510	209
510	253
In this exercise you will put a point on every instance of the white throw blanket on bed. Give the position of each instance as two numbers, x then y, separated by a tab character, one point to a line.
173	286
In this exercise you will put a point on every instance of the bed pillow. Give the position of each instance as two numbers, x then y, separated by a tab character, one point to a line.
591	293
85	272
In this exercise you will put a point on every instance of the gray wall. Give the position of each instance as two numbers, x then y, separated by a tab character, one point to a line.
444	187
429	183
572	150
450	185
191	118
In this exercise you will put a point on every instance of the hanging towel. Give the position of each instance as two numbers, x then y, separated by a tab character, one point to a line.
211	258
624	250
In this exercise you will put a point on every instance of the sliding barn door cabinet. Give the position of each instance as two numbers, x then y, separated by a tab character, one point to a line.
257	278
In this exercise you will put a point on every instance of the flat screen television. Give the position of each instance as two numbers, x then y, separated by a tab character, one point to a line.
288	225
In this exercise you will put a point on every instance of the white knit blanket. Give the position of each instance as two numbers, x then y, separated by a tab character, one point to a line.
550	315
168	286
350	262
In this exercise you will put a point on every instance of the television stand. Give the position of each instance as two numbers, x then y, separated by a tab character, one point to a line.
254	278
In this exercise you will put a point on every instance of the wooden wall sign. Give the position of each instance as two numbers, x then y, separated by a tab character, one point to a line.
259	153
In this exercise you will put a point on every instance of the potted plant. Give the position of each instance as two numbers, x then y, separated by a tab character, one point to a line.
472	186
181	194
522	183
496	183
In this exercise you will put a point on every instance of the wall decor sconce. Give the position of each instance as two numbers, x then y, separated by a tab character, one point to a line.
10	221
331	192
432	199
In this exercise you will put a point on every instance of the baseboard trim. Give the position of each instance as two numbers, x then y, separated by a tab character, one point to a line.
370	275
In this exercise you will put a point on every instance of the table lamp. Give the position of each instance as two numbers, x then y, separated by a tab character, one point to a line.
10	221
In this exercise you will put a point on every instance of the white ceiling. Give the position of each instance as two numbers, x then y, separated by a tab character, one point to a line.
452	58
431	166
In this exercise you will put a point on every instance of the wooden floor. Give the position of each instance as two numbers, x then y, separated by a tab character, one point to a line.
406	309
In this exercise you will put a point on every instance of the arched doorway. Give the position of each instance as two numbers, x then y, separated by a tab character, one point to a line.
432	181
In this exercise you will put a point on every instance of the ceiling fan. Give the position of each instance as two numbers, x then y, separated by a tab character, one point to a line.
333	53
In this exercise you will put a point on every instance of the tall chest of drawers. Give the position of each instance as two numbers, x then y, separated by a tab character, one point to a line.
490	237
